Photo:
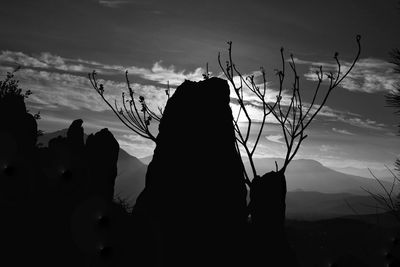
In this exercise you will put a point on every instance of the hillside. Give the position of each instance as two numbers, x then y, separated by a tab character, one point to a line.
310	175
302	205
315	191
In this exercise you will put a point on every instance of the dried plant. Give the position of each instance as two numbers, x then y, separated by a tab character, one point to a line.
134	112
293	118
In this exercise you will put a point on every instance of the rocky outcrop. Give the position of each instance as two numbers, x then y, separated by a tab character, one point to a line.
102	156
18	123
195	195
57	201
268	242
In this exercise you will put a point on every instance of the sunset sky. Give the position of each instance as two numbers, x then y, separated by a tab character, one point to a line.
58	42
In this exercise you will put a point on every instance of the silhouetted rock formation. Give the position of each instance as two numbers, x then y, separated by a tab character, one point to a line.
102	156
195	195
267	207
56	202
18	173
16	121
75	135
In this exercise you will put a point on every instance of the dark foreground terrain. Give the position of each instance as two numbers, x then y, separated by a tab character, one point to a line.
366	240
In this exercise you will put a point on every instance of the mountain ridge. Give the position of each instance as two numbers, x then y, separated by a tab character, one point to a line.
309	196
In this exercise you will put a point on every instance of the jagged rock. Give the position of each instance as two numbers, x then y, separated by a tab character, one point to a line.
102	156
75	134
268	241
195	195
15	120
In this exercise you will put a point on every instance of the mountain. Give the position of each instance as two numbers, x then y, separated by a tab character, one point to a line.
310	175
131	177
314	191
131	171
381	174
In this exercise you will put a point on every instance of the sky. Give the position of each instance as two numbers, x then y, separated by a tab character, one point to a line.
58	42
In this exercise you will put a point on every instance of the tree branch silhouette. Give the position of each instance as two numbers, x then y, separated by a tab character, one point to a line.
134	113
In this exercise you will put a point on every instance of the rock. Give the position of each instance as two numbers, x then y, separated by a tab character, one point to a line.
75	134
195	195
15	120
268	241
102	156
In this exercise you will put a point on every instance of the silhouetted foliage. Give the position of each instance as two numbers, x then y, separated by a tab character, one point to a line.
12	94
389	200
393	98
10	87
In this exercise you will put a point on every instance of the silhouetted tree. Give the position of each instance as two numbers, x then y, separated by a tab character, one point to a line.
13	96
393	98
389	200
267	205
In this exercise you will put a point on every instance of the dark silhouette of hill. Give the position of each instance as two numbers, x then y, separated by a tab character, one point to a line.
197	208
310	175
384	219
305	205
343	242
131	177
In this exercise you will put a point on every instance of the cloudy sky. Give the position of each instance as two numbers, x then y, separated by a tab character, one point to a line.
58	42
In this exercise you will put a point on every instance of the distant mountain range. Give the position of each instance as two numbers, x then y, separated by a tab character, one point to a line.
310	175
310	205
314	191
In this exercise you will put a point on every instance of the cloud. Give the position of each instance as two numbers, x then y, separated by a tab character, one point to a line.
275	138
45	60
136	145
70	89
364	123
328	148
52	90
113	3
370	75
163	75
254	105
342	131
350	118
325	114
22	59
